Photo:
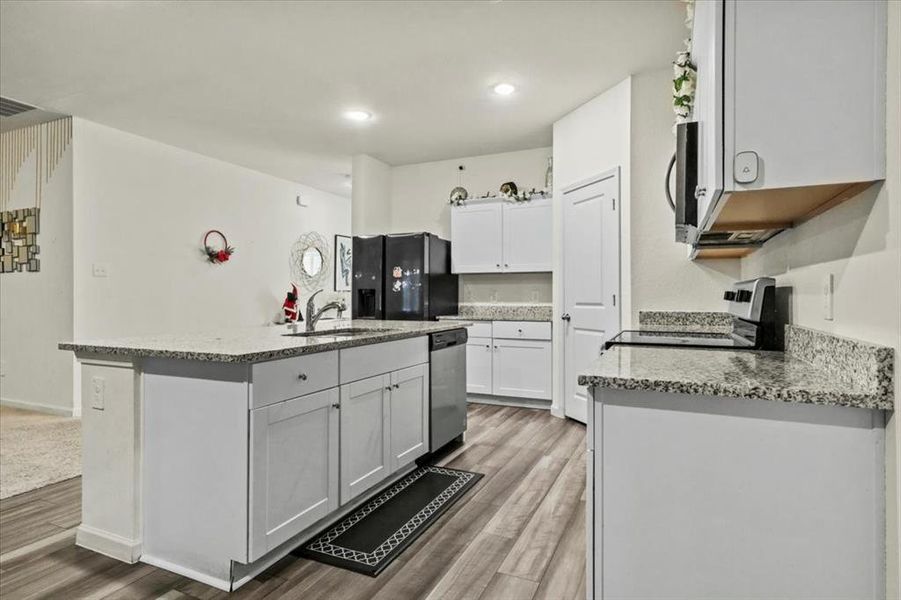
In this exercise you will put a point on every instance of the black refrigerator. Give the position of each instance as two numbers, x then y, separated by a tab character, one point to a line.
402	276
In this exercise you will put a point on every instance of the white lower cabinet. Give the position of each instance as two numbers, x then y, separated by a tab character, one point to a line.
515	362
478	366
522	368
384	427
243	462
365	454
409	415
294	468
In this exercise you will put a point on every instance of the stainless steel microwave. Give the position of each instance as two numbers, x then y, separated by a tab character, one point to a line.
684	201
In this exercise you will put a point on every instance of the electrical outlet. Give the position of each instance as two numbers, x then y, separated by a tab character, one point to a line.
99	270
828	296
98	389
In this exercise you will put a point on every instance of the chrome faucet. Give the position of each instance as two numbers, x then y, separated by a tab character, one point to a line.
313	315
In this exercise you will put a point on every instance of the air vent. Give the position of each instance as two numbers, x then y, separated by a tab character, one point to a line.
9	107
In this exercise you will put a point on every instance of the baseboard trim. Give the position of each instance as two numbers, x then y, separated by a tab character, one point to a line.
508	401
216	582
38	407
108	544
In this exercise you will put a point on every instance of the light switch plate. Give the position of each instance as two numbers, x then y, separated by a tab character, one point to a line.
98	392
746	167
828	295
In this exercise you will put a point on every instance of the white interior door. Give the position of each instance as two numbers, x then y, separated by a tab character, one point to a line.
591	304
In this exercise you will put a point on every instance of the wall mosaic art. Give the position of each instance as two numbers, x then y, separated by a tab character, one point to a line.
19	240
41	147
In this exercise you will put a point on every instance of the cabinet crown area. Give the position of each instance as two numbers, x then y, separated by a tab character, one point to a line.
497	236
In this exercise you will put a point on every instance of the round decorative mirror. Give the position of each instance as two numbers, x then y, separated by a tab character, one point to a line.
310	261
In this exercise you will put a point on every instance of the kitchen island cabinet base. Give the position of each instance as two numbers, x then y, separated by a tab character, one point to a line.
706	497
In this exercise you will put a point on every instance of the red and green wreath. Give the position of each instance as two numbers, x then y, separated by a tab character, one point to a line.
217	255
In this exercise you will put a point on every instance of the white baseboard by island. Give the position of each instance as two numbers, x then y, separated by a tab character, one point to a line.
108	544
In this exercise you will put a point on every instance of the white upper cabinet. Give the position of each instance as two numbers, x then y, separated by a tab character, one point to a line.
527	236
492	236
790	105
476	240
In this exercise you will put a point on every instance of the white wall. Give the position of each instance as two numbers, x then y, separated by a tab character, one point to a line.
419	192
859	243
371	195
141	209
36	308
662	276
590	140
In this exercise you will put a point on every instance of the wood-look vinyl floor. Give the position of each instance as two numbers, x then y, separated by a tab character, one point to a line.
518	535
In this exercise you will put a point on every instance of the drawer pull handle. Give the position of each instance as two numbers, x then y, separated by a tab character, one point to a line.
397	386
336	406
488	346
302	376
519	330
388	389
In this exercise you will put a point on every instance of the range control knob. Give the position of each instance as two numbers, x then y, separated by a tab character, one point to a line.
743	296
729	295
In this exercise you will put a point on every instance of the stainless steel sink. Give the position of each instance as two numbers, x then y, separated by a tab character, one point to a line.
347	331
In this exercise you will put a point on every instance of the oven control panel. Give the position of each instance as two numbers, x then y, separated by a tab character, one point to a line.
746	297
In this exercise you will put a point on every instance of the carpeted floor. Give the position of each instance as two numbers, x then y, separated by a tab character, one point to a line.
36	449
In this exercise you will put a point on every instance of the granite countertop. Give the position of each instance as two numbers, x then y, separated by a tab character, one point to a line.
858	375
257	344
501	311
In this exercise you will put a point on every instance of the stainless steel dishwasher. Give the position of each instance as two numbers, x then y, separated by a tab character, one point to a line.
447	377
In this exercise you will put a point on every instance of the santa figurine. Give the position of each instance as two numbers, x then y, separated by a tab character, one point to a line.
290	306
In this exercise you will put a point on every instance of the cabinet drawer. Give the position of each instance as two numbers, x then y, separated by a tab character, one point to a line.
365	361
522	330
279	380
479	329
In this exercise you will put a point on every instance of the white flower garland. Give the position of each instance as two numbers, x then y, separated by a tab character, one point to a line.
685	74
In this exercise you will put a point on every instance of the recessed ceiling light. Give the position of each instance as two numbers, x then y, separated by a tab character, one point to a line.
357	115
504	89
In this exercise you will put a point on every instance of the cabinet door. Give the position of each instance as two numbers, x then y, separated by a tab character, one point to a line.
527	236
365	455
707	55
409	430
478	366
522	368
294	468
476	237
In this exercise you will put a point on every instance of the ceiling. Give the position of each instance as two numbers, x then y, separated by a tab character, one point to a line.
264	84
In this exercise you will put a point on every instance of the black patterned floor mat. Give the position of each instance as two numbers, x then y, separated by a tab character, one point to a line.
368	539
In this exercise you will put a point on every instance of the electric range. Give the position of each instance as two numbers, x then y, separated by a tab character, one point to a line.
752	306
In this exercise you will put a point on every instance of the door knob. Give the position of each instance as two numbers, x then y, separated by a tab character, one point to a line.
566	317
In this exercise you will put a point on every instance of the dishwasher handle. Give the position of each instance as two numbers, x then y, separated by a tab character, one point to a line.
447	339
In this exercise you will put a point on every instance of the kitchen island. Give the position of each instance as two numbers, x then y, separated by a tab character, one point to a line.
214	455
716	474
